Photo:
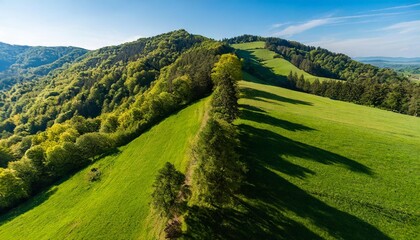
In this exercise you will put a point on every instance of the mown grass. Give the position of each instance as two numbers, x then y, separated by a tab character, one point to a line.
256	51
116	206
328	169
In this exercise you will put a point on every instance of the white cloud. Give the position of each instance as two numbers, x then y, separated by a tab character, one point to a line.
397	7
299	28
295	29
277	25
405	27
386	45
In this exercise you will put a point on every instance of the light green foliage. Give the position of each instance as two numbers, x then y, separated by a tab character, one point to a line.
118	205
12	188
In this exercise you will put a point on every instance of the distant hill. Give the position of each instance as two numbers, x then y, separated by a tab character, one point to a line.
24	63
400	60
407	66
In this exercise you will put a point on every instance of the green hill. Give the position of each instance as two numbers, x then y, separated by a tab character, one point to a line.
25	63
280	66
116	206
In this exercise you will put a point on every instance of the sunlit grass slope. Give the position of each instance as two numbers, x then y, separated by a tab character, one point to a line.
117	206
325	169
267	58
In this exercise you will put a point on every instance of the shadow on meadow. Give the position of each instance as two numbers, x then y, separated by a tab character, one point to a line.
264	74
260	95
266	196
27	206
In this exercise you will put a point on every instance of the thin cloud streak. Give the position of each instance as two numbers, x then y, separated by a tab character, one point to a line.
405	27
387	45
299	28
396	7
295	29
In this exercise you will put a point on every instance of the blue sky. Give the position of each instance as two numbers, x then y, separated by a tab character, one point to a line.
357	28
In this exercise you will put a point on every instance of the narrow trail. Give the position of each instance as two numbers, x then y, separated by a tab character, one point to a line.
190	168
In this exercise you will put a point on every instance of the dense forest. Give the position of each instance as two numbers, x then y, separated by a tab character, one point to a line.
24	63
61	122
356	82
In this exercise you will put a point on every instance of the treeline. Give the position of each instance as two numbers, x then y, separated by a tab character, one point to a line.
243	39
218	172
362	83
68	145
402	97
323	63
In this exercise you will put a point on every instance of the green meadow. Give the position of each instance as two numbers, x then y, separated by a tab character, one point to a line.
325	169
256	52
116	206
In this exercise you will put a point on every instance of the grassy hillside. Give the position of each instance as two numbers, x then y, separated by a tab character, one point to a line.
324	169
280	66
117	206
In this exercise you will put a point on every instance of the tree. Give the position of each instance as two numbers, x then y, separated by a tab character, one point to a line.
12	188
36	155
64	158
219	172
167	187
93	144
225	74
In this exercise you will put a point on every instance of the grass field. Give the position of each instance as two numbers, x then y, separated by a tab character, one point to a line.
324	169
117	206
280	66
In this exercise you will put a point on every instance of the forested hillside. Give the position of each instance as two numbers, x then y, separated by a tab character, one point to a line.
24	63
359	83
160	138
59	123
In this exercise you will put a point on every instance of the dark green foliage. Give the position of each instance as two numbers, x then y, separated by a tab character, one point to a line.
93	144
219	172
5	156
94	175
402	97
167	187
243	39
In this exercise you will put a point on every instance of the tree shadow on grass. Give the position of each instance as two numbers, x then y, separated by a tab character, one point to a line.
26	206
251	108
274	144
256	116
256	94
263	74
270	206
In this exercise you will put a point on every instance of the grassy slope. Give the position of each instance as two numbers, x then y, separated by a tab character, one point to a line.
116	207
327	169
280	66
